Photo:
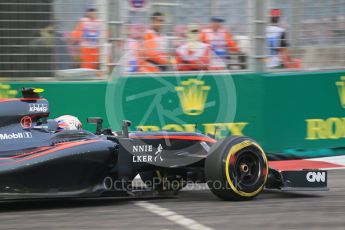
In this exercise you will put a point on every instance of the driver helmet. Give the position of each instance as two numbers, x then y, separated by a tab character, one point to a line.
68	122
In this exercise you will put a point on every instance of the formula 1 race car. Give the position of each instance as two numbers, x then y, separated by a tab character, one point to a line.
36	161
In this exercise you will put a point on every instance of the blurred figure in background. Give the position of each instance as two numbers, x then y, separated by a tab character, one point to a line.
180	35
193	55
53	52
279	54
221	42
131	48
87	35
155	53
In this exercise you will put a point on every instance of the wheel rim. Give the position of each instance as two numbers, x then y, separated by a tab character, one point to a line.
247	170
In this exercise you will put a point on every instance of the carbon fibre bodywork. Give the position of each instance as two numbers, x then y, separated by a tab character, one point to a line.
36	161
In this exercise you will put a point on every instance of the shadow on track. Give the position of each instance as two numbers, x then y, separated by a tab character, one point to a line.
41	204
44	204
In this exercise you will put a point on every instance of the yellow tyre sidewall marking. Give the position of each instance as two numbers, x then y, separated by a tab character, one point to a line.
234	149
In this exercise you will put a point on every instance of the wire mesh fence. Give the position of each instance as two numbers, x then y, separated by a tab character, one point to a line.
88	38
40	38
178	36
315	32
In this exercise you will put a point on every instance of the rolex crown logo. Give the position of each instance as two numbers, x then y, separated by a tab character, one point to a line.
6	91
193	95
341	90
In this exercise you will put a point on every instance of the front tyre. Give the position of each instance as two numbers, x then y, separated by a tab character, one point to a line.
236	168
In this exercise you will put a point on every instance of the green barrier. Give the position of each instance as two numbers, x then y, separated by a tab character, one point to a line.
305	111
284	112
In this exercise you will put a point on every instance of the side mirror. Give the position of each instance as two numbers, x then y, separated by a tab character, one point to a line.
99	123
125	125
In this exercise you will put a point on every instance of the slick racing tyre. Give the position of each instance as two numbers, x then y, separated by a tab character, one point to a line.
236	168
161	181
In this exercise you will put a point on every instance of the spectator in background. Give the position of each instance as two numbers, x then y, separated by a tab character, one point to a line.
155	53
193	55
48	44
221	42
131	48
87	34
279	55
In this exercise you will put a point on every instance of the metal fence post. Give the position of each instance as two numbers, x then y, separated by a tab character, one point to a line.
297	12
118	11
104	36
258	35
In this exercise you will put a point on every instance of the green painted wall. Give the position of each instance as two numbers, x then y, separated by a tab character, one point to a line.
291	100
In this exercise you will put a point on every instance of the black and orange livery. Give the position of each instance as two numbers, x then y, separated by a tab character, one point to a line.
36	161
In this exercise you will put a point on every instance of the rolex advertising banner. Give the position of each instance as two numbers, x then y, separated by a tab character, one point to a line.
207	104
305	111
291	115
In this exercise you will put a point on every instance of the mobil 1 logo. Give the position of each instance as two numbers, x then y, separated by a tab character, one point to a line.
15	136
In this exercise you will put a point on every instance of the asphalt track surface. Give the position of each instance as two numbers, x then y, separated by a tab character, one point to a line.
193	209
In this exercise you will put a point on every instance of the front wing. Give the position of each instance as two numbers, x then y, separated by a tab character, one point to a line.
298	180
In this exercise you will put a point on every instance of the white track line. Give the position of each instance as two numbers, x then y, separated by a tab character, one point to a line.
172	216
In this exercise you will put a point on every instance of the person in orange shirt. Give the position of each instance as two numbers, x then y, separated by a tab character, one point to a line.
221	42
87	33
155	54
193	55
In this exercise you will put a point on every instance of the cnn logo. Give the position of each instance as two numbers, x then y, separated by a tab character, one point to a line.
316	176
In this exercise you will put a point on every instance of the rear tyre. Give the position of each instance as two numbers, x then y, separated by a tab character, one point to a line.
236	168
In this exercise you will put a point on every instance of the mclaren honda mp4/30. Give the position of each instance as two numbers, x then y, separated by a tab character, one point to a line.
38	162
